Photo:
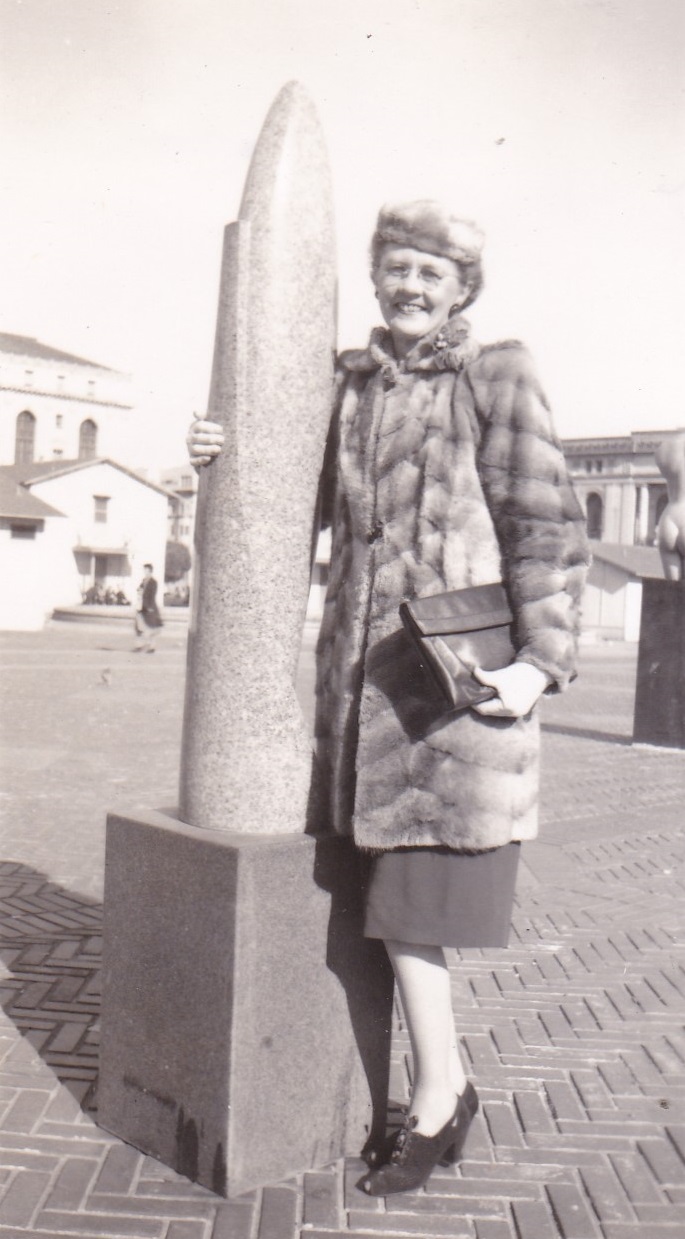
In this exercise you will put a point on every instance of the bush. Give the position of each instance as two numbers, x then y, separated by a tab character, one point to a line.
179	596
177	561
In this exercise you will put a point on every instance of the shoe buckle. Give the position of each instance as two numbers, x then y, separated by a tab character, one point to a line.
403	1135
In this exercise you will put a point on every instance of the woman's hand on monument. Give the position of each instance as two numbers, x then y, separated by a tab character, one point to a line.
204	441
517	686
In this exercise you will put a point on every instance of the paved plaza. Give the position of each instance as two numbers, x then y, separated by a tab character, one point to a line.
574	1035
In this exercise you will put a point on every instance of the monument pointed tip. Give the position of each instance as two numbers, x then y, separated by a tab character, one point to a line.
294	87
291	145
291	97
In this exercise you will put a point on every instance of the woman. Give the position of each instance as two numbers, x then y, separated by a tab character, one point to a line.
147	621
442	471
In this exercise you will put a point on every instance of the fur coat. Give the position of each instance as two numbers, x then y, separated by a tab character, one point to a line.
443	471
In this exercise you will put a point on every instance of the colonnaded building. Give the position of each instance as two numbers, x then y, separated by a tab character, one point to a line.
75	510
619	485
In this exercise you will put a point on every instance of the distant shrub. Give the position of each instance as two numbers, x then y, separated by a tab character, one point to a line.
177	561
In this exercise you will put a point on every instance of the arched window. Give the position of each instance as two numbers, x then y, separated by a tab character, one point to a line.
595	514
25	439
87	440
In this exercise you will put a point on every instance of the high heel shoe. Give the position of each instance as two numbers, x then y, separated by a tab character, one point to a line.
381	1153
469	1096
415	1156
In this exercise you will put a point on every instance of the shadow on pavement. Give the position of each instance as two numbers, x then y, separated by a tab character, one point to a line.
363	969
587	733
51	944
51	951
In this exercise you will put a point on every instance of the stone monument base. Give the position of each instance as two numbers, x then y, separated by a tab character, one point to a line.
660	693
246	1021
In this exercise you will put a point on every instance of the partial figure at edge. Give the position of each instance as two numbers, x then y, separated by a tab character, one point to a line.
670	458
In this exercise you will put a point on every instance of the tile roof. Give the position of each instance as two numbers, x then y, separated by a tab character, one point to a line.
40	470
637	561
27	346
17	501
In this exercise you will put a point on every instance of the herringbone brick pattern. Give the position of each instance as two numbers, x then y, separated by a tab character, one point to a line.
574	1035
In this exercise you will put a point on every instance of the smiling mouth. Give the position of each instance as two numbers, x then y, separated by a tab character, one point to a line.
404	307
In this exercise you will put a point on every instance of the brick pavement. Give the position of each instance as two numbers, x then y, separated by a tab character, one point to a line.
574	1035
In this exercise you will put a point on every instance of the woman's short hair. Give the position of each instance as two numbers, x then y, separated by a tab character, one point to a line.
426	225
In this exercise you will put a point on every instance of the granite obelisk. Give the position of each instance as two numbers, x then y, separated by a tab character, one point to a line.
246	758
246	1021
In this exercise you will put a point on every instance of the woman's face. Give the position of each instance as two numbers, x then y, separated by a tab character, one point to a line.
416	292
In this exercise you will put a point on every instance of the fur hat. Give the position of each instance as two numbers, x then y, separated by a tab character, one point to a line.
426	225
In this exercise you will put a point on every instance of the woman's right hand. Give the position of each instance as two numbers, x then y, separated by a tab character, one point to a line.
204	441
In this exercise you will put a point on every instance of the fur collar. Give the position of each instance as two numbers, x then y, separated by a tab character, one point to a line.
449	348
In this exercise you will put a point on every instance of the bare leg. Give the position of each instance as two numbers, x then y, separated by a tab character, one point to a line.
424	988
139	628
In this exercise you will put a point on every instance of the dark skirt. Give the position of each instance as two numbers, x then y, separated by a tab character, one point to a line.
434	896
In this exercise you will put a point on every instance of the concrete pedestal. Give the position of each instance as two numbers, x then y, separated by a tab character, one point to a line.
246	1021
660	694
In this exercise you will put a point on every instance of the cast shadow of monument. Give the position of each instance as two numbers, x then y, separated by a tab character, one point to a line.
50	946
362	968
361	964
51	950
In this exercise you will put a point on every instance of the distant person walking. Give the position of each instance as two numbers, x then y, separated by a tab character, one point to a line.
148	621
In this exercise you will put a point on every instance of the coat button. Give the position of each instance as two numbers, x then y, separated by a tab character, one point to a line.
375	533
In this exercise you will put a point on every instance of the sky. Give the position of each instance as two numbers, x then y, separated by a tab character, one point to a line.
559	125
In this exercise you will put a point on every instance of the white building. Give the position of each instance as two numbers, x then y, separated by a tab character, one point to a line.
56	406
101	523
619	485
117	518
181	481
34	552
73	514
623	494
612	600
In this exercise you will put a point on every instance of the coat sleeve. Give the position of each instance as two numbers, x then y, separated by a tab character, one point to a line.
538	519
325	499
327	480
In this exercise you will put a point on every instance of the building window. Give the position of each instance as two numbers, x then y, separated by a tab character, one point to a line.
59	420
87	440
101	506
25	438
22	531
28	375
595	514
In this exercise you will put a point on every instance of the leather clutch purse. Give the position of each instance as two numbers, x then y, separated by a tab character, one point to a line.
457	631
